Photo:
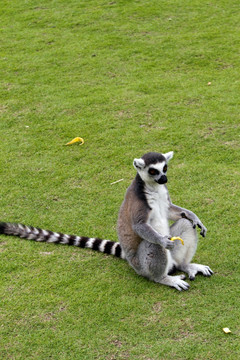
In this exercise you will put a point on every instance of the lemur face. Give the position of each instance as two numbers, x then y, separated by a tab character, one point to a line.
152	167
158	172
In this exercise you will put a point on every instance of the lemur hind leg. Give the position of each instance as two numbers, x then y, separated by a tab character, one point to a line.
152	262
182	254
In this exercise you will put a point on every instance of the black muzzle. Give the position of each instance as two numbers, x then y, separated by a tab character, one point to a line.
162	180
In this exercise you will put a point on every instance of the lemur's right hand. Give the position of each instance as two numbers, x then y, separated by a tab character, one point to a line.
167	243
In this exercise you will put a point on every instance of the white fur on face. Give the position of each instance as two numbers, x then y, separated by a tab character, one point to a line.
142	169
146	177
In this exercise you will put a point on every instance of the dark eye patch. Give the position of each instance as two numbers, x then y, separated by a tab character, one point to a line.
165	168
153	171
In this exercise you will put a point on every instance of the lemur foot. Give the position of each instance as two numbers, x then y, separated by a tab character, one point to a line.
175	281
193	269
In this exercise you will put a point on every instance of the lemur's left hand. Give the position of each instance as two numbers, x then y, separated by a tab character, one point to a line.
202	228
195	222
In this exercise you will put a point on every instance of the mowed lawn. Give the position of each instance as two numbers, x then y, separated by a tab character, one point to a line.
129	77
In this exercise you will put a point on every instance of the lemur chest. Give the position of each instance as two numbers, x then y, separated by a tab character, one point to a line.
158	215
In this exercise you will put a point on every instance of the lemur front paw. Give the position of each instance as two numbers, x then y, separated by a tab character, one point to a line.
167	243
203	229
195	222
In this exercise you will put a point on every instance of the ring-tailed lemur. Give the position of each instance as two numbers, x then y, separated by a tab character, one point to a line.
143	228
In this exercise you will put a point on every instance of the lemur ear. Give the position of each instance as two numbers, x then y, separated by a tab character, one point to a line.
168	156
138	164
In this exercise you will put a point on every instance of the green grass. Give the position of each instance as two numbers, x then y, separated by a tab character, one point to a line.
129	77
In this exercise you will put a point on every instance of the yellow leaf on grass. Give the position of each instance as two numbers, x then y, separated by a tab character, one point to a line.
226	330
75	140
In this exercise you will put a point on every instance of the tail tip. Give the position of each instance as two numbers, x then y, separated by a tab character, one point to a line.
2	227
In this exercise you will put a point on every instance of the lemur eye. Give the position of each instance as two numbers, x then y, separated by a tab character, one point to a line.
165	168
153	171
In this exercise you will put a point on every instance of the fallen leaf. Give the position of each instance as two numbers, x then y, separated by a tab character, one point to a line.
75	140
227	330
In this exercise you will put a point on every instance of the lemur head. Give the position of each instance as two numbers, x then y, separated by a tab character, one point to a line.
152	167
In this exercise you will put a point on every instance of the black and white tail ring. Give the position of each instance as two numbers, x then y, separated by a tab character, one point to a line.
40	235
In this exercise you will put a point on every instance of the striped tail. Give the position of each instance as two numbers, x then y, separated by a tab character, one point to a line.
32	233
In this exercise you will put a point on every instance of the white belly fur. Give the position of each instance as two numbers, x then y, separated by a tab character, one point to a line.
158	217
